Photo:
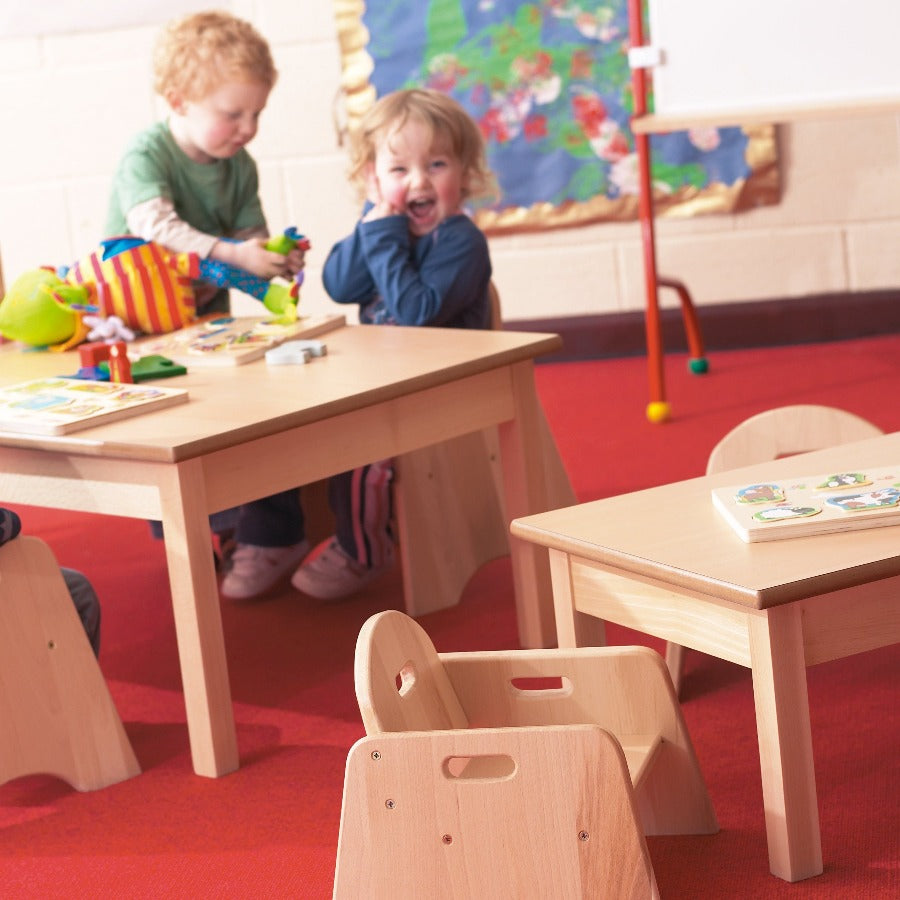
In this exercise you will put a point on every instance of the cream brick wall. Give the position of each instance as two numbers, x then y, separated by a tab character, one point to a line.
69	102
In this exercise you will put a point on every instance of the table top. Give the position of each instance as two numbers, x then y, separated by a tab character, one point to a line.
230	405
674	534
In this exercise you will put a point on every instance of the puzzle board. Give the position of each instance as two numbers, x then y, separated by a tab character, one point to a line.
817	504
62	405
232	341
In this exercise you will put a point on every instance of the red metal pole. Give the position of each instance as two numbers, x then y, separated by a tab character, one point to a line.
657	408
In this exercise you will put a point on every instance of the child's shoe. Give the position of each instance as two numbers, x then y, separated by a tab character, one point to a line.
332	575
256	569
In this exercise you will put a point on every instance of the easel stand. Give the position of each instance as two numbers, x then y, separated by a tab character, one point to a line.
658	407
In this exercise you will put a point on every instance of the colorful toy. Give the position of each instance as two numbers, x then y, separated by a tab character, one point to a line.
277	298
119	366
126	286
38	309
149	288
115	355
287	241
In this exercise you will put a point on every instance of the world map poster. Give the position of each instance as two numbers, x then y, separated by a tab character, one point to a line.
550	87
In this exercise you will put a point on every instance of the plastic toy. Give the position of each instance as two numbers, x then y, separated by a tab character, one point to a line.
288	355
295	352
155	366
93	354
129	285
119	366
287	241
115	355
277	298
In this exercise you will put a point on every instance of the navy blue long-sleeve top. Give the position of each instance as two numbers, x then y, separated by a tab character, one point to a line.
10	525
438	279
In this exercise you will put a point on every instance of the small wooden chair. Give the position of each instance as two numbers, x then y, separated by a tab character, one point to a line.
773	433
449	507
511	773
56	713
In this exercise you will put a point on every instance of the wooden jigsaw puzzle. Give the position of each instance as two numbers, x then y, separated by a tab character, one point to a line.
818	504
62	405
232	341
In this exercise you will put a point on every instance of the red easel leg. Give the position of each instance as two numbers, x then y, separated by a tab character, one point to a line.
698	363
657	408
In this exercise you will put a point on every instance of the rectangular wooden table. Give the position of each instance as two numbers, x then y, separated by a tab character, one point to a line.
251	430
664	562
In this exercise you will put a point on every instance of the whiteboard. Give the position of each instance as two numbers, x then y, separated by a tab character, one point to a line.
722	58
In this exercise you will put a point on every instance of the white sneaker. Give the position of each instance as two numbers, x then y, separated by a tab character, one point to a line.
332	575
256	569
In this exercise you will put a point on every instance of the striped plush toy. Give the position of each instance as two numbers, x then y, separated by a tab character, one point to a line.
143	285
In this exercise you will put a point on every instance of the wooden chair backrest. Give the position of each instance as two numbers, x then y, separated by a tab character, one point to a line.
56	713
496	312
784	431
559	822
400	682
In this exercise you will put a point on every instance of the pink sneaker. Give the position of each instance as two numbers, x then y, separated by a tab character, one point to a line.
332	575
256	569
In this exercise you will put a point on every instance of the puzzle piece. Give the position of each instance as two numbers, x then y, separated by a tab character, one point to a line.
295	352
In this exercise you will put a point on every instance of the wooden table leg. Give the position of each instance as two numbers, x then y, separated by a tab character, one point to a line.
198	622
525	489
573	628
785	742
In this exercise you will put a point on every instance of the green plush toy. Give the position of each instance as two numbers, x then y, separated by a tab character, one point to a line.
41	309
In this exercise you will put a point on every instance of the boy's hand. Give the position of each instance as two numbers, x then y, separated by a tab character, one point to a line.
252	256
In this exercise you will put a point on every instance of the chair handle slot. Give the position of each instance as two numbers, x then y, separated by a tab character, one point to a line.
541	684
483	767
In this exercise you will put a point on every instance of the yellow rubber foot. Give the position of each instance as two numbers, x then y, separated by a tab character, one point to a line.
658	411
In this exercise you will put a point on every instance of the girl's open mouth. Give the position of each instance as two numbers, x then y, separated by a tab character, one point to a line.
420	209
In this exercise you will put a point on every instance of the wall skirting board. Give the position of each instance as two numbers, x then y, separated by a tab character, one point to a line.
727	326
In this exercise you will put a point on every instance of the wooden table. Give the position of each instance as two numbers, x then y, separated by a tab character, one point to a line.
664	562
249	431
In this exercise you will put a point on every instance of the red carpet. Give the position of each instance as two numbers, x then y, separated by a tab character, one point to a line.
270	829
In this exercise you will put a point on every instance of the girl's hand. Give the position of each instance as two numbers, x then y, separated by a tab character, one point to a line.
380	211
381	206
295	262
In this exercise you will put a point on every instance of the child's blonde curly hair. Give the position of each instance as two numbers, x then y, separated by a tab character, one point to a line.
197	53
442	115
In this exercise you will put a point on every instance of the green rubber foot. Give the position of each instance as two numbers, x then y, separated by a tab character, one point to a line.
699	365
